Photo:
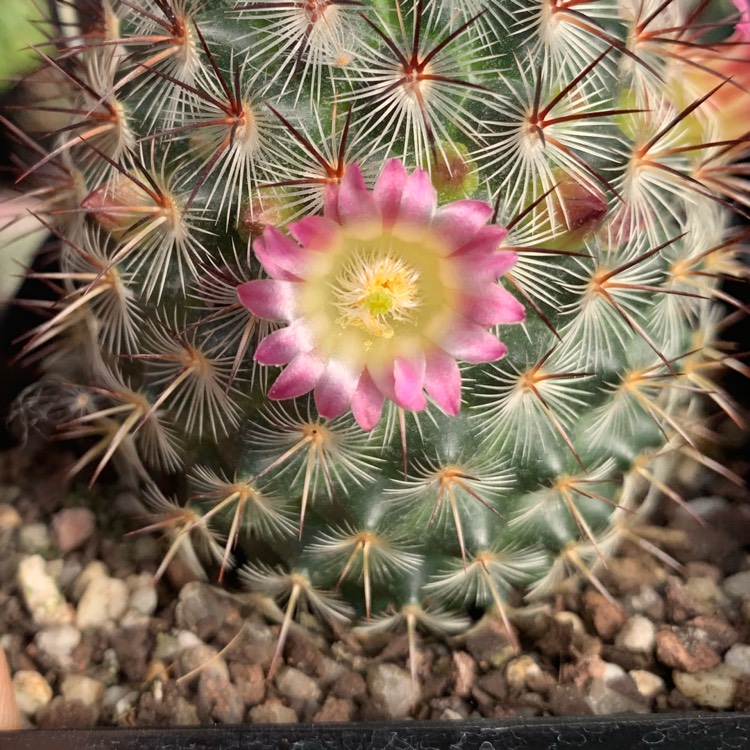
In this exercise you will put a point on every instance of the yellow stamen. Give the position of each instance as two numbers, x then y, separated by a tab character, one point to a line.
375	291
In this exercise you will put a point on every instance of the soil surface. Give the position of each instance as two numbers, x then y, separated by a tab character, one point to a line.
91	641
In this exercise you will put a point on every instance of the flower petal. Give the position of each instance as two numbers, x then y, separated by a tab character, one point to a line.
389	190
334	390
356	204
419	199
478	267
298	377
367	402
283	345
485	240
443	381
492	306
280	255
469	342
458	222
315	232
269	299
408	381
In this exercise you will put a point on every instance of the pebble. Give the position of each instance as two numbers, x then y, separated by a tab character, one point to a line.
32	691
350	685
649	684
104	600
57	644
708	597
603	699
206	659
738	657
73	527
95	569
203	611
606	617
272	712
334	709
686	649
10	519
250	680
296	685
42	597
144	600
391	687
85	689
35	538
465	673
520	670
712	688
738	585
638	634
219	700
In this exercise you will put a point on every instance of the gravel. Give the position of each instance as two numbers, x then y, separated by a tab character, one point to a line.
91	641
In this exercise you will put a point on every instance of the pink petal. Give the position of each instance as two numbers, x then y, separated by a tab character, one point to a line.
443	381
479	267
492	306
486	240
388	191
269	299
470	342
408	381
282	346
298	377
367	402
458	222
419	199
314	232
280	255
334	390
331	203
355	202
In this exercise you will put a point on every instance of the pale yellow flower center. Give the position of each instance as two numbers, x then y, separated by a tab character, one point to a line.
374	291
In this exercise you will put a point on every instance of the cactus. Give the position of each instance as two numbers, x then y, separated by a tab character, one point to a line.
396	308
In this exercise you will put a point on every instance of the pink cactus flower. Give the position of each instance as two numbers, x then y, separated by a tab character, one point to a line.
382	296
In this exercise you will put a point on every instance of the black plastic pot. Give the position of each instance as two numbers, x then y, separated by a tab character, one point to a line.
660	732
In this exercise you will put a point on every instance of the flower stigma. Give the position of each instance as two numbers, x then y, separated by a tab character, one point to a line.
375	291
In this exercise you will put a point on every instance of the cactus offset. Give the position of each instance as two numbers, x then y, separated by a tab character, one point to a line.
418	300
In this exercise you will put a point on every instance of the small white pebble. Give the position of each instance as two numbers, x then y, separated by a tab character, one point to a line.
649	684
104	600
637	634
41	594
738	657
32	691
57	643
35	537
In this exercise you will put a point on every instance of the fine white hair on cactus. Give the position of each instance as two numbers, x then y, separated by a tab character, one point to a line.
229	130
569	36
90	281
523	409
300	42
258	513
193	378
155	227
536	129
164	52
415	91
439	494
487	578
363	555
186	529
611	283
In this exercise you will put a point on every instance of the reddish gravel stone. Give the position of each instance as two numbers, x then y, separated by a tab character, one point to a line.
686	649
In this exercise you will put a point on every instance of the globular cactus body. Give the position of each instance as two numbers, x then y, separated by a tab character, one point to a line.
420	299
